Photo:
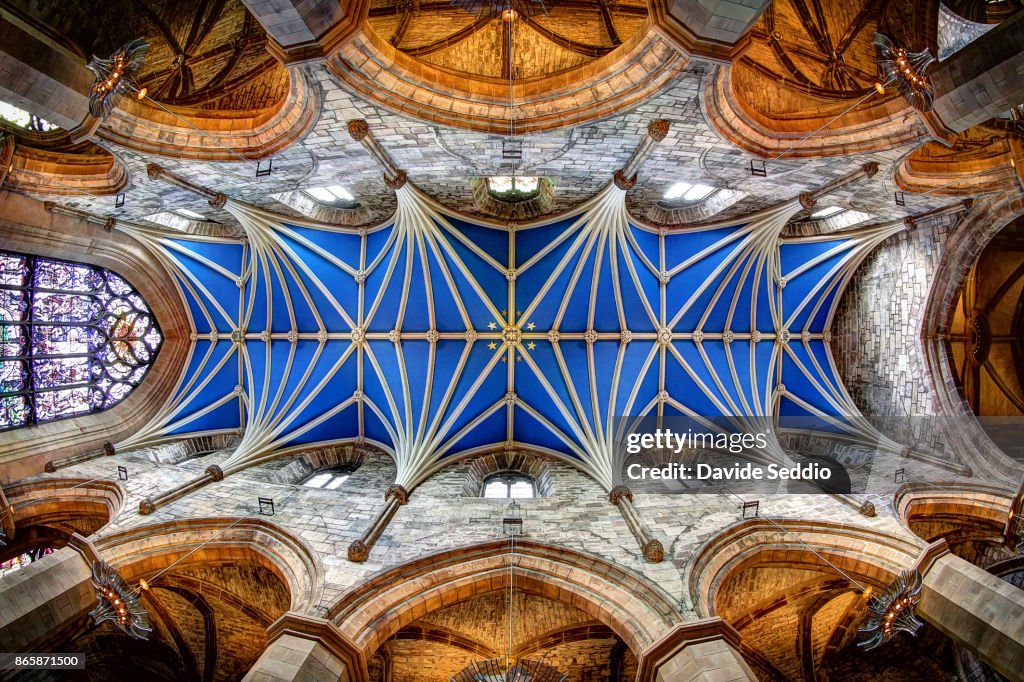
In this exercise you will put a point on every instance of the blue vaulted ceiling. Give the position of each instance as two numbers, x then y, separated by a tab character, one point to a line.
435	335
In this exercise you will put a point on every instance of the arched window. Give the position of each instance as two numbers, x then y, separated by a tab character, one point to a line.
327	479
686	193
508	486
74	339
513	188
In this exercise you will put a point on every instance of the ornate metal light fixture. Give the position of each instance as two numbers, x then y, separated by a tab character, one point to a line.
504	8
118	602
893	611
116	76
498	670
507	668
906	69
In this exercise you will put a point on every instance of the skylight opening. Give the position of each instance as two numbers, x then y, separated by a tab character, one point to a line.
335	195
686	192
513	188
23	119
326	480
509	487
827	212
190	214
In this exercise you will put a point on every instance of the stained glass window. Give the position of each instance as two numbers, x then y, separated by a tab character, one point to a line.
74	339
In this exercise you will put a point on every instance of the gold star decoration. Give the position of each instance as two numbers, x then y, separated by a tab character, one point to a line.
531	326
492	325
504	358
531	345
519	313
492	345
504	313
519	358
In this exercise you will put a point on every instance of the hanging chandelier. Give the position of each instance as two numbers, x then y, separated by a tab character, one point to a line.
499	670
116	76
508	668
908	70
503	8
118	602
893	611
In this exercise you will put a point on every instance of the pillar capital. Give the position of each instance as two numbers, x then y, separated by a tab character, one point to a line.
703	650
302	647
619	492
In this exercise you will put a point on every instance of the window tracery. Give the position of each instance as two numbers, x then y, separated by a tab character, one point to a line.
74	339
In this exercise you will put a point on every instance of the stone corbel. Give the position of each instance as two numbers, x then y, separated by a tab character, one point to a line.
625	177
394	497
622	497
394	176
108	451
157	172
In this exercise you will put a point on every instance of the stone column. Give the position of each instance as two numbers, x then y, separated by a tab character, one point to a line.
149	505
53	465
45	597
42	76
395	497
305	649
306	30
976	609
702	651
983	80
622	497
625	177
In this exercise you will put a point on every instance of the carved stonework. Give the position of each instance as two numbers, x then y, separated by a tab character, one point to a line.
807	200
870	168
109	224
867	509
398	492
511	335
146	507
218	200
108	449
358	551
358	129
398	181
654	551
622	182
620	492
153	171
215	472
658	129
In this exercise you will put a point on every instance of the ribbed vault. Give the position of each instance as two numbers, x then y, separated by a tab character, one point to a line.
434	337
